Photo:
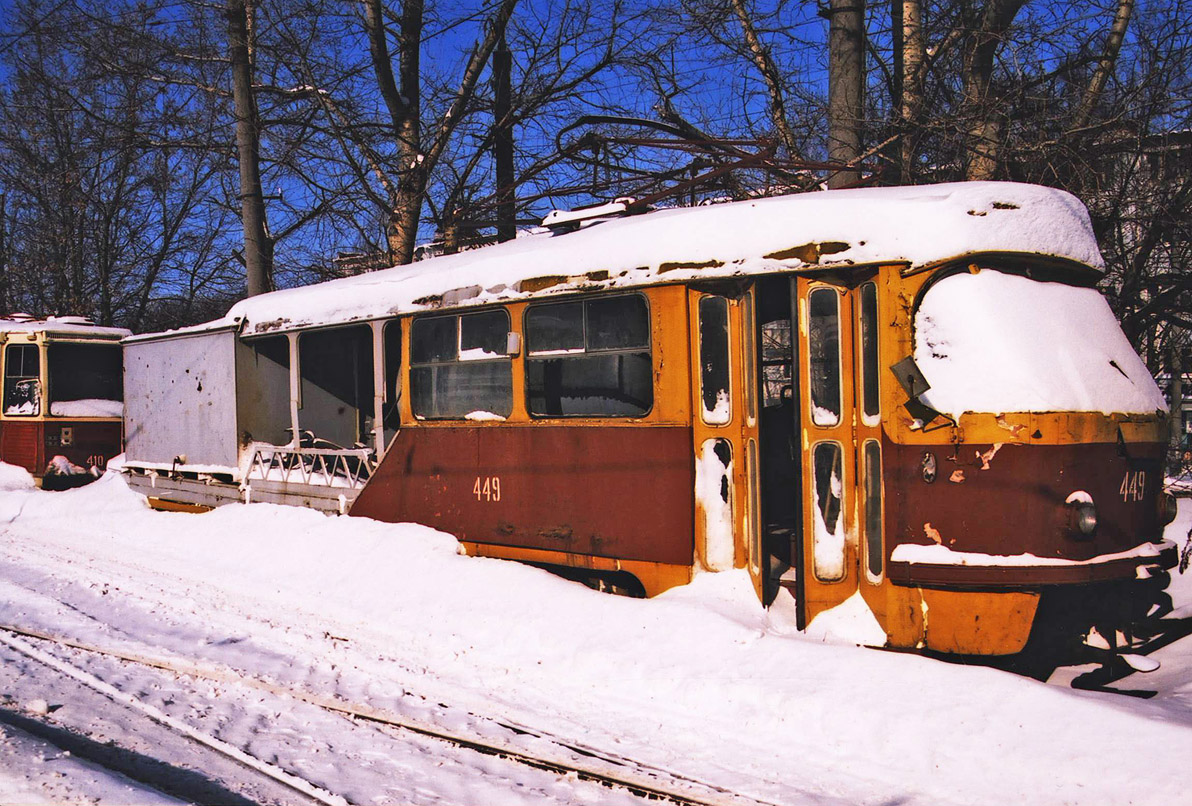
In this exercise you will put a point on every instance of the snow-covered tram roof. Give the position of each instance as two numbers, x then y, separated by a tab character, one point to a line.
918	226
62	326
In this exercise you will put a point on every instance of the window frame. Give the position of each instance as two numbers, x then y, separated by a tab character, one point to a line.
544	355
40	387
412	364
838	369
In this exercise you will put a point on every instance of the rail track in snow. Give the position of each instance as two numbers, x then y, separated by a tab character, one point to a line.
604	768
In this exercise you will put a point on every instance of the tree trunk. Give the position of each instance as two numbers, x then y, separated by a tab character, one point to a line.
1113	45
984	128
910	101
846	75
1175	367
503	143
417	162
258	248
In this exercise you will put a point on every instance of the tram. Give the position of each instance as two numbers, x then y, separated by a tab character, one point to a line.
911	398
61	409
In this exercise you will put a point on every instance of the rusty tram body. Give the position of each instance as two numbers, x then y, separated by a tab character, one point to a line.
60	417
635	399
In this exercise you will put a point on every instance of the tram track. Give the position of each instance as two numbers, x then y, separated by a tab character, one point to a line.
607	769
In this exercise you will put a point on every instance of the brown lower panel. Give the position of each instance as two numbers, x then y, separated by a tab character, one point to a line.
616	492
655	577
904	573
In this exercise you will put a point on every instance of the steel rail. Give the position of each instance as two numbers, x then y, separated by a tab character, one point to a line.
288	779
227	675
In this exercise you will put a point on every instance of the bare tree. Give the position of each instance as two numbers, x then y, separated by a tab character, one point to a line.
258	246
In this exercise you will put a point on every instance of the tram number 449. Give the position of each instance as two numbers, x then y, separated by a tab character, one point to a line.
487	488
1133	486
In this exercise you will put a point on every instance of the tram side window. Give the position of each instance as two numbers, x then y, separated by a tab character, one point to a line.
85	380
589	358
22	384
870	400
824	356
459	367
713	360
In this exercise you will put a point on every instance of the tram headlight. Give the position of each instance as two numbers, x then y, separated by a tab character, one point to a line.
1082	518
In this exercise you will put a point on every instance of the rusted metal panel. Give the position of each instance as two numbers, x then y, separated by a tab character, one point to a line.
23	444
180	400
611	492
1009	499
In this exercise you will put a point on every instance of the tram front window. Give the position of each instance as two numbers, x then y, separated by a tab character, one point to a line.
85	380
22	384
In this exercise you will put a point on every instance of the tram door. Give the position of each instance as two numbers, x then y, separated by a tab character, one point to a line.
728	506
840	442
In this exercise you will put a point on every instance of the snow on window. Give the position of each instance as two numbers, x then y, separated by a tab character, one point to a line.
828	515
713	491
996	342
720	413
714	360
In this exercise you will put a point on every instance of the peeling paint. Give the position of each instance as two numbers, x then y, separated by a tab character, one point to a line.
532	284
957	477
707	264
933	533
987	457
1015	430
810	253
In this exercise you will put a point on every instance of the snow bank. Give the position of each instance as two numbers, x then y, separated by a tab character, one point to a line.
994	342
15	478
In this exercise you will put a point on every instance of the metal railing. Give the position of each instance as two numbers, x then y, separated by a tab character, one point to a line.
349	468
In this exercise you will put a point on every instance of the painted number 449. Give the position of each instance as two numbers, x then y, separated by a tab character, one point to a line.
1133	486
487	488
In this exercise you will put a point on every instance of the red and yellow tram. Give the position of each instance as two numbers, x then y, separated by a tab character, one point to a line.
61	412
913	398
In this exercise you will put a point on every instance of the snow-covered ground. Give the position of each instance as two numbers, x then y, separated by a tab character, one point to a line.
701	683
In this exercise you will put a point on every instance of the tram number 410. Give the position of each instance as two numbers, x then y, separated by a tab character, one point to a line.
1133	486
487	488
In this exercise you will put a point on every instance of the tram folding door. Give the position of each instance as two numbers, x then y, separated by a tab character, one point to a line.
725	429
840	438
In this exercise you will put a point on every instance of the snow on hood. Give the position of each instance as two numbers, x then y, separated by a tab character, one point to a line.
994	342
916	225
